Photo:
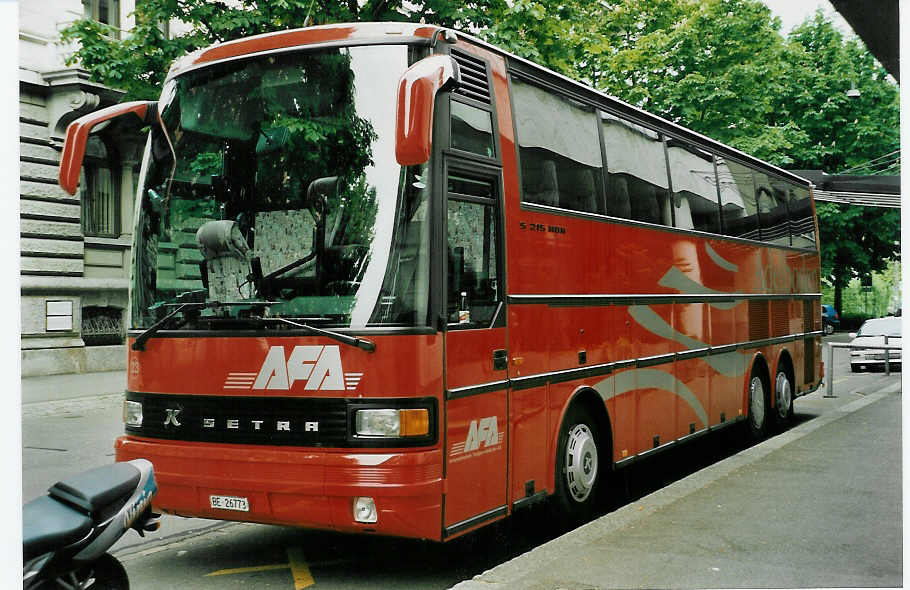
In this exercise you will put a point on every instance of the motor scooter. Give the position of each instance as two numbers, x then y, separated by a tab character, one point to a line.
67	533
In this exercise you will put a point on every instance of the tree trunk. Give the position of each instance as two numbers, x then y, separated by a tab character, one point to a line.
838	289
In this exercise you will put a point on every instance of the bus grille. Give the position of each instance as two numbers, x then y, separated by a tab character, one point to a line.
780	317
758	320
311	422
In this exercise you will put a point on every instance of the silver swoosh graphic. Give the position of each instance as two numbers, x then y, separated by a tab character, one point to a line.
718	260
675	279
633	379
727	364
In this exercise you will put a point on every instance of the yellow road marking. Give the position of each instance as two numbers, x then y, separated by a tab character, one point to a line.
246	570
299	569
296	563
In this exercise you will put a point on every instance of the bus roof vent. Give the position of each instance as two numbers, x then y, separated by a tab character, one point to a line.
474	81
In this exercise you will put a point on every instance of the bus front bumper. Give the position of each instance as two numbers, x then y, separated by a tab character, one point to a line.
312	488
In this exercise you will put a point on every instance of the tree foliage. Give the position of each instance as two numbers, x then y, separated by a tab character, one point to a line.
139	62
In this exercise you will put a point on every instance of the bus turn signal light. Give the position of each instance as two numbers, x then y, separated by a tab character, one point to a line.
415	422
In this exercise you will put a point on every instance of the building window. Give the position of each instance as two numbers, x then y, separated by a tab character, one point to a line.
101	191
104	11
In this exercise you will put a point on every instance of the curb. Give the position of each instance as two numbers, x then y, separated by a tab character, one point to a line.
507	574
71	405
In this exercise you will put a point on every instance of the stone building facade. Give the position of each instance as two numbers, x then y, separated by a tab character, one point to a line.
75	250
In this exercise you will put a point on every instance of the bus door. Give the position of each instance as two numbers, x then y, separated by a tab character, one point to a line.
475	349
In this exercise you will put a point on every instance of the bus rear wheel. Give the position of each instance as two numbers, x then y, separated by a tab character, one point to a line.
757	422
783	400
578	473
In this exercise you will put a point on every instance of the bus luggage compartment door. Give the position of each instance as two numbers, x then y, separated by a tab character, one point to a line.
476	431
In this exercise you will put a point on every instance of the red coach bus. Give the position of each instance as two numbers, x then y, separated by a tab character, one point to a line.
388	278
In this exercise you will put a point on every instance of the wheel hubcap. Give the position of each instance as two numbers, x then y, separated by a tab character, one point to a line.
581	462
784	395
757	403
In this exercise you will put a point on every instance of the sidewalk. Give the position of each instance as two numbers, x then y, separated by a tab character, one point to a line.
817	506
48	388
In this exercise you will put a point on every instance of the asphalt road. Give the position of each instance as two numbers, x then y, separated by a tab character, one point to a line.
68	437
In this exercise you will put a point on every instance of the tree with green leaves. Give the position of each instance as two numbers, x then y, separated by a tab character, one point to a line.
843	132
139	62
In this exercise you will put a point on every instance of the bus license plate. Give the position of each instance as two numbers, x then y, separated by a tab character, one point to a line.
230	503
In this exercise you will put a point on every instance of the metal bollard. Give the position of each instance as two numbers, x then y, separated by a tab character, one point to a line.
887	358
829	369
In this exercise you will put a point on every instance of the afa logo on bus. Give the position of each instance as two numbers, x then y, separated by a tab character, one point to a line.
317	367
482	434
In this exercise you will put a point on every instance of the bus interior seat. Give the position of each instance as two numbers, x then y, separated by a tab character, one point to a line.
541	185
684	212
645	206
227	257
581	193
283	237
618	204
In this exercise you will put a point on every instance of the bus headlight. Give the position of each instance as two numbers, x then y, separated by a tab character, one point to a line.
392	422
132	413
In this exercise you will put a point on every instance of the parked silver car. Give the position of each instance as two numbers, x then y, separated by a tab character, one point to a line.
876	332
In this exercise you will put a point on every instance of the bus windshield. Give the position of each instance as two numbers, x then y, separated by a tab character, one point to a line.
273	179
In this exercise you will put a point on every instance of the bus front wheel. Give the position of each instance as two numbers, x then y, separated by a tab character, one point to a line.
578	473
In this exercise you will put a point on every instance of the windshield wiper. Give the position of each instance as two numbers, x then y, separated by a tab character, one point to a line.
361	343
139	344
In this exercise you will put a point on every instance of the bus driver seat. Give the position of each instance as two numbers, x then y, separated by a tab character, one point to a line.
227	260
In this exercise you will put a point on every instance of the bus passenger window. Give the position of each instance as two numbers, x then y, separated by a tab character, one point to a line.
802	221
472	129
637	171
737	196
473	286
772	211
694	187
561	165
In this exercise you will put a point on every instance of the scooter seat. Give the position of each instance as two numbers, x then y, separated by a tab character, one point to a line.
48	524
100	491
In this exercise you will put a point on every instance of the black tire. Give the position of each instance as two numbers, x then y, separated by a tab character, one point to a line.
109	573
855	369
579	470
829	329
782	412
759	404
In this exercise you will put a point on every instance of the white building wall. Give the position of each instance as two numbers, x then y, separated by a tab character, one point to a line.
61	268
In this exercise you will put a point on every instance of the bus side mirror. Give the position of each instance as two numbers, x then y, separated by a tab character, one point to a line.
417	90
77	136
